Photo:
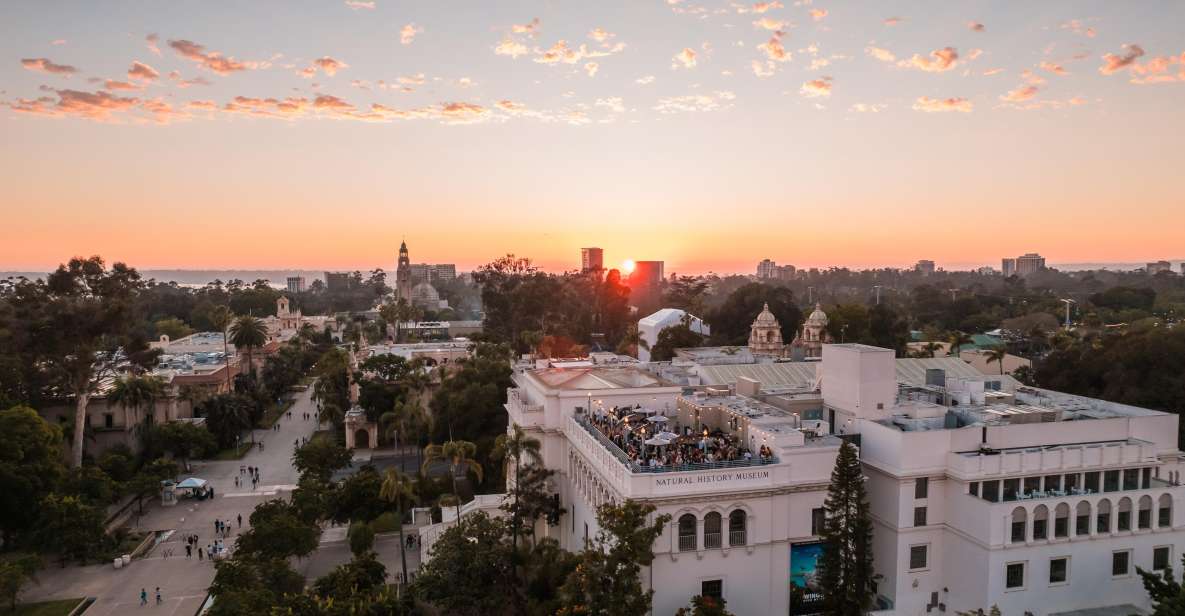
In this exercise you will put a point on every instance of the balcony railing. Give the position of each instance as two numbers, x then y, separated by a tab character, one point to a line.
687	543
637	467
736	538
711	541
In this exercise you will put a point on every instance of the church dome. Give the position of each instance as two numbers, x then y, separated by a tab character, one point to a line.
424	292
766	317
818	317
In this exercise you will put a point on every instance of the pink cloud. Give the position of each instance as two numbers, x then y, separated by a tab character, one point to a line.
45	65
815	88
112	84
213	61
142	72
527	28
360	4
892	21
1054	68
939	60
408	33
87	105
1113	63
975	26
939	105
774	50
818	14
685	58
1020	94
151	41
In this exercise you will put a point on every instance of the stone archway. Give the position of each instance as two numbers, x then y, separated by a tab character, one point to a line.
362	439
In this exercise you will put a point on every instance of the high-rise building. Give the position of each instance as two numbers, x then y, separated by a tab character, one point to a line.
592	259
1008	266
337	281
1029	263
924	267
1156	267
647	274
296	284
769	270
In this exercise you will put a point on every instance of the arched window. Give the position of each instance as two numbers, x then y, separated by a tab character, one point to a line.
1020	521
1103	517
737	531
1144	517
1164	514
712	529
1061	521
687	533
1125	514
1041	522
1082	518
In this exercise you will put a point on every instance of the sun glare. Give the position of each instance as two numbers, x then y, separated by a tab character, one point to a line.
627	266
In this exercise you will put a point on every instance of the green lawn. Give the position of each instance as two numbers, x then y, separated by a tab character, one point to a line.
274	412
60	607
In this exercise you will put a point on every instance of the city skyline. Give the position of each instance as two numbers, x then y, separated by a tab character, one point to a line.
705	134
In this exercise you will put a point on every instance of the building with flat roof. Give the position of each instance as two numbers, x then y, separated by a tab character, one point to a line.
592	259
296	284
745	505
337	281
924	267
1156	267
986	492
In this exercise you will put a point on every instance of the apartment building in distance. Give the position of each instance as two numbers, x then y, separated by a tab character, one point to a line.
924	267
296	284
769	270
1156	267
592	259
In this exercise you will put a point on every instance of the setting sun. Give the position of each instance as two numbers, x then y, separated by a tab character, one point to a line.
627	266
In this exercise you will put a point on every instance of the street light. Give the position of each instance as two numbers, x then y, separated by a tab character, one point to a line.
1067	302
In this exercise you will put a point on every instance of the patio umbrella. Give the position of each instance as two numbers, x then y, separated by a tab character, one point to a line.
657	419
655	441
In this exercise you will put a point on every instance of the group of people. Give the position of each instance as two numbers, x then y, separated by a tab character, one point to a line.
629	431
252	473
211	549
144	596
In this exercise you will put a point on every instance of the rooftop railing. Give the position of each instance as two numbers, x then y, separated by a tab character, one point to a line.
637	467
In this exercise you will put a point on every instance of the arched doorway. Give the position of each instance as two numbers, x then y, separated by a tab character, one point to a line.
361	439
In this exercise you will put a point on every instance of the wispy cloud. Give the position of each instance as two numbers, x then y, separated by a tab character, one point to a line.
975	26
695	102
1019	95
45	65
892	21
938	61
818	14
360	4
815	88
212	60
1113	63
407	34
527	28
939	105
511	47
884	55
1054	68
152	41
1078	27
685	59
142	71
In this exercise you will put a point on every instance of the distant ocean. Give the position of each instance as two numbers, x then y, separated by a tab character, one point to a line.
279	278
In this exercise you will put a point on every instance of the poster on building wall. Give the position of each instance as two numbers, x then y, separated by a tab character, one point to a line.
804	560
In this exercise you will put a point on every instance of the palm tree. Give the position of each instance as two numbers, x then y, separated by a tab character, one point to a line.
957	341
997	354
512	448
632	341
135	392
403	421
398	489
221	317
930	348
248	333
459	455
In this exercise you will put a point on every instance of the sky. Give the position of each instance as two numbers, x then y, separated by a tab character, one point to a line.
708	134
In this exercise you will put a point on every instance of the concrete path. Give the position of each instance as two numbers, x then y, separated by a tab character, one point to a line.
183	582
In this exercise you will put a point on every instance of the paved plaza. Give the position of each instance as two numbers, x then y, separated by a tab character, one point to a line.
183	582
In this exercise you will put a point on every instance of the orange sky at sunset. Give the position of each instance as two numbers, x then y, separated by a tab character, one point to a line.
317	137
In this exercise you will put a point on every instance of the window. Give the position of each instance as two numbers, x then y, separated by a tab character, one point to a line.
1070	482
991	491
687	533
1161	557
712	588
1014	576
1146	478
1019	523
1092	482
973	488
1053	482
817	519
1082	519
1011	487
712	524
1059	569
1103	517
1061	521
921	487
1120	562
917	556
108	420
1164	515
919	516
1032	485
1110	481
736	528
1131	479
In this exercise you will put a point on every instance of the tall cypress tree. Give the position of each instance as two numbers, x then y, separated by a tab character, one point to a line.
845	566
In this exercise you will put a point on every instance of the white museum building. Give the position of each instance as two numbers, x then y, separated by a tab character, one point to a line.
983	491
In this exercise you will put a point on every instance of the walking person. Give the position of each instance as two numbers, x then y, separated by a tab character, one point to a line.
188	551
240	520
158	600
199	553
143	596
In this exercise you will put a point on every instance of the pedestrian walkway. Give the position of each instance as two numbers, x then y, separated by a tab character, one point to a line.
183	581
